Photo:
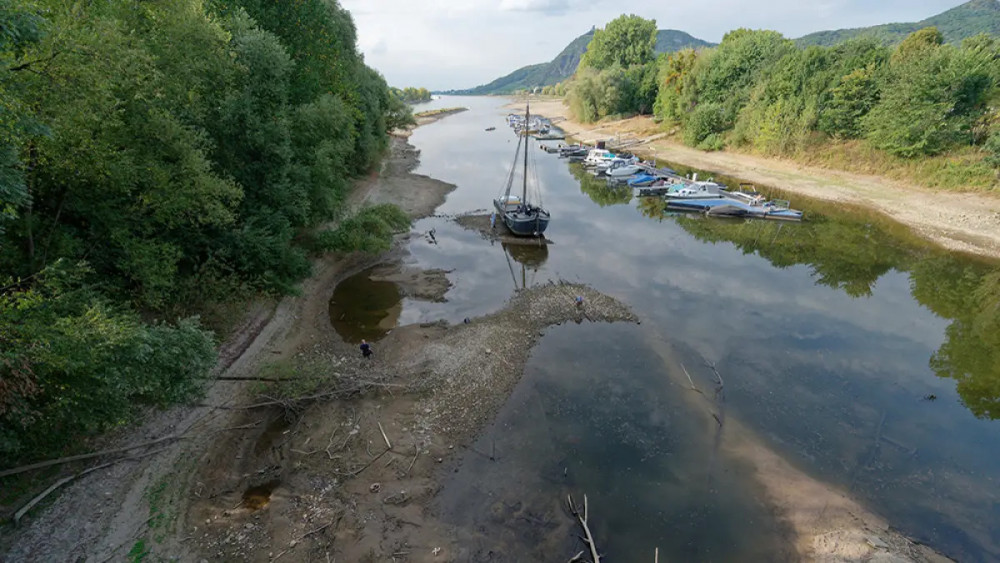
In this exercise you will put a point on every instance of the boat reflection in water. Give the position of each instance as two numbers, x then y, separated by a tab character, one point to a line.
529	256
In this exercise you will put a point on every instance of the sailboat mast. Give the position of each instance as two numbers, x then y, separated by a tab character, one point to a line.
527	129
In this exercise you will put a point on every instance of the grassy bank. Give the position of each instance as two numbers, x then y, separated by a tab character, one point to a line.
965	169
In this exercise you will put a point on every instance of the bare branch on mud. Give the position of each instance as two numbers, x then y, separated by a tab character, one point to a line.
296	403
582	519
329	444
693	387
72	458
384	437
711	365
304	536
250	426
235	378
41	496
416	450
366	466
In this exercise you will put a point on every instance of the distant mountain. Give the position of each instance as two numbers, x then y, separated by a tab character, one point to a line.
564	65
971	18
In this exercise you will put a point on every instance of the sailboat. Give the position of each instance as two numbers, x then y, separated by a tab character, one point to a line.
521	216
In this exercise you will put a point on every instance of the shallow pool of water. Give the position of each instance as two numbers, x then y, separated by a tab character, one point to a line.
362	308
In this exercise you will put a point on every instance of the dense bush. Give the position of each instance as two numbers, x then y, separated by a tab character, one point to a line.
176	151
74	363
757	90
370	230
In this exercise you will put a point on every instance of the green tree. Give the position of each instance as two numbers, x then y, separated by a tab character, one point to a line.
931	96
674	79
627	40
19	29
850	100
72	363
724	79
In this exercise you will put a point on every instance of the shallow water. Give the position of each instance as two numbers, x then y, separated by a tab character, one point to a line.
866	357
362	308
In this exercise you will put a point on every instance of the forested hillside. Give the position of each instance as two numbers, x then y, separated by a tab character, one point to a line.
858	101
565	64
961	22
157	156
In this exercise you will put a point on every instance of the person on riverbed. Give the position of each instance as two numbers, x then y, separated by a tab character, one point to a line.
366	350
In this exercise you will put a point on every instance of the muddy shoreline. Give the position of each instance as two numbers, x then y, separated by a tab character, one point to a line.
965	222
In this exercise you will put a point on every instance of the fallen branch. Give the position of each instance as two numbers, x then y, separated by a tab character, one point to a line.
582	518
330	442
72	458
711	365
302	537
41	496
693	387
250	426
416	451
235	378
291	402
366	466
384	437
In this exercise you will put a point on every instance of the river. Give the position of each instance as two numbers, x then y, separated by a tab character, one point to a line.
867	358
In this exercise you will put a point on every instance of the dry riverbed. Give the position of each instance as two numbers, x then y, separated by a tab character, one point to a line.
966	222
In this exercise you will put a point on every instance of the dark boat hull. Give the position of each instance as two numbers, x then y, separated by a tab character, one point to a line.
523	221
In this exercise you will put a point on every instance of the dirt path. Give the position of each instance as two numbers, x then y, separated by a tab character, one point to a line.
967	222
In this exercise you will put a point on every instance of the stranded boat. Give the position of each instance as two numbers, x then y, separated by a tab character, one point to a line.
519	214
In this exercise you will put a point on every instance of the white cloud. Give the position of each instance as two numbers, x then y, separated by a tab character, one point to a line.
544	6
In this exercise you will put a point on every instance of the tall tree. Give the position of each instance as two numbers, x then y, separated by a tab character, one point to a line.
627	40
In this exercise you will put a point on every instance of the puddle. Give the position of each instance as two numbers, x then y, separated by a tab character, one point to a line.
258	497
365	309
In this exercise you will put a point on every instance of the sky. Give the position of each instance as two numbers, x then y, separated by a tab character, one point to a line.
451	44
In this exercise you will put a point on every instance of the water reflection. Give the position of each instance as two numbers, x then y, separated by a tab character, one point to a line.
528	257
850	255
598	189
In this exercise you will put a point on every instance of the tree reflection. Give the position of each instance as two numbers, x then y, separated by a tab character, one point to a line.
850	252
598	189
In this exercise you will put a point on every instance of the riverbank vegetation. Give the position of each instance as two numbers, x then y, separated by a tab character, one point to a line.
156	157
412	95
922	110
438	112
